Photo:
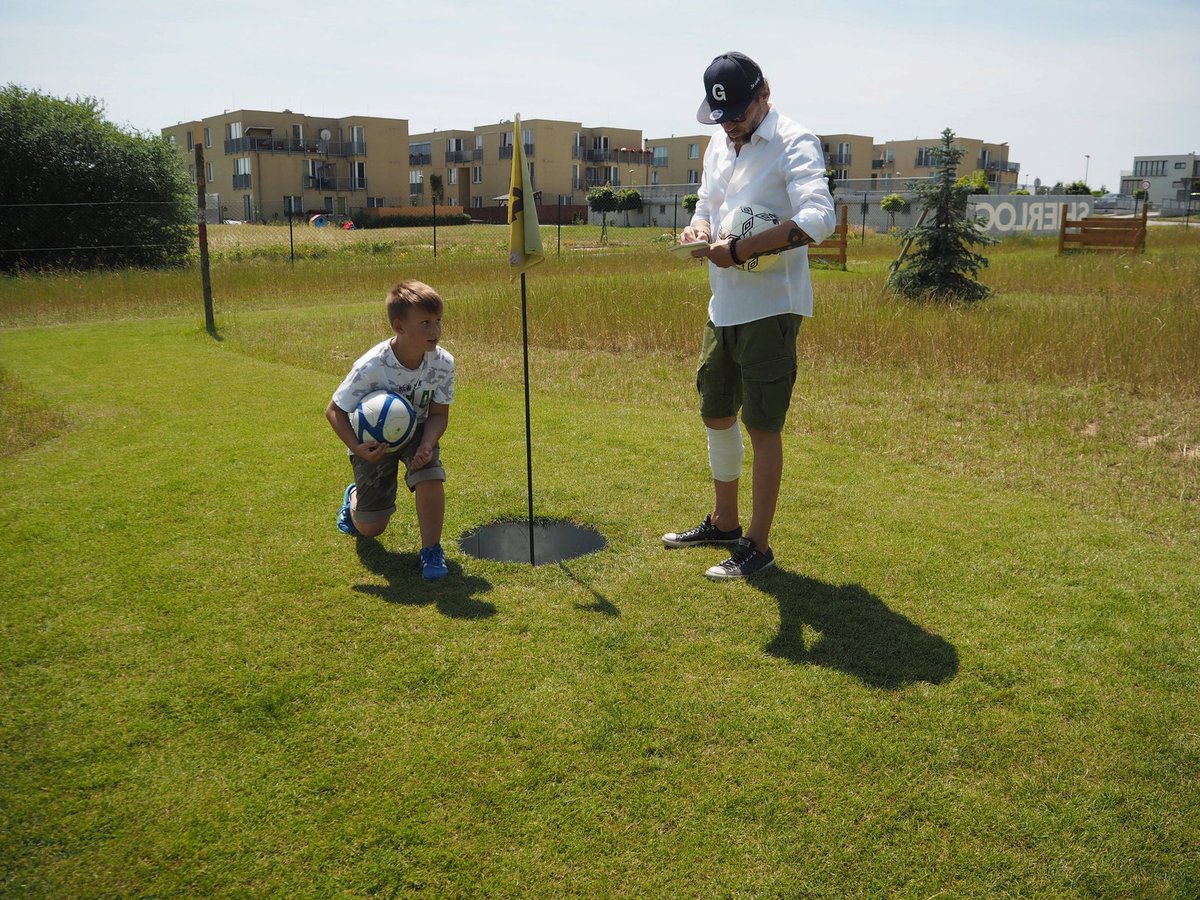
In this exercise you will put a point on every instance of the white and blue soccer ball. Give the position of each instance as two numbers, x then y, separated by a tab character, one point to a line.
743	221
385	417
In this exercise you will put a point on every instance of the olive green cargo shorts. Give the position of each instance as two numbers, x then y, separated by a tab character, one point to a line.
750	367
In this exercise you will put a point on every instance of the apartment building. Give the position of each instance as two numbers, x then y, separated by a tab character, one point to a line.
566	160
892	163
264	165
1172	178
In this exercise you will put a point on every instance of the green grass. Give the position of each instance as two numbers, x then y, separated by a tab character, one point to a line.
973	675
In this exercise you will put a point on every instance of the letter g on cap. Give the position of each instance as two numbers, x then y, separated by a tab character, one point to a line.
718	92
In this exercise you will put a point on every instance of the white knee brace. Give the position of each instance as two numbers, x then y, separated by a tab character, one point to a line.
725	452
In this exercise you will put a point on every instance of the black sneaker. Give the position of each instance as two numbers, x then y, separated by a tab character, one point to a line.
746	561
702	535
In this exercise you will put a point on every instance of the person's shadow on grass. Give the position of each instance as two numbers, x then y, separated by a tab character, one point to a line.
858	634
454	595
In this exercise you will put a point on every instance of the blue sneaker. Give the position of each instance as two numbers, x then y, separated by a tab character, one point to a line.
433	563
345	523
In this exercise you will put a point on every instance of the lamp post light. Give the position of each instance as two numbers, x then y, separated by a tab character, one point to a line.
1086	166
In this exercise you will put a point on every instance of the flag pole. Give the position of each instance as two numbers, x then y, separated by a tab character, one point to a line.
528	430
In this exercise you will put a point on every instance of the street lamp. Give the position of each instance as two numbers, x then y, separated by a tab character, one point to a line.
1086	166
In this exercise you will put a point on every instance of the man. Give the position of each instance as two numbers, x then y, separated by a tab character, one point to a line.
748	360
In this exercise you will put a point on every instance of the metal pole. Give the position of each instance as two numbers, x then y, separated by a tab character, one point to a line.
291	237
528	430
559	229
864	219
202	208
435	226
675	219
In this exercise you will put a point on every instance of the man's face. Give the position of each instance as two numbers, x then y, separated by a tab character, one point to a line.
739	130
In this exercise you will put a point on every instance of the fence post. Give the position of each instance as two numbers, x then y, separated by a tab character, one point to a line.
202	214
435	226
291	213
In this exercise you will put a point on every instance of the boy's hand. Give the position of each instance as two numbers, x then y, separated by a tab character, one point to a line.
371	451
421	458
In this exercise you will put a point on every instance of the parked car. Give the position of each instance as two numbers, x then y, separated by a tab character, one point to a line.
1114	201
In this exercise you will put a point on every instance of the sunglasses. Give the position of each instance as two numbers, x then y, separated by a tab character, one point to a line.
742	118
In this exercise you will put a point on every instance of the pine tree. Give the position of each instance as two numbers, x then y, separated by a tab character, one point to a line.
943	266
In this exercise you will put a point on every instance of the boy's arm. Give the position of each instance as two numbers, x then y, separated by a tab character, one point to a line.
436	424
371	451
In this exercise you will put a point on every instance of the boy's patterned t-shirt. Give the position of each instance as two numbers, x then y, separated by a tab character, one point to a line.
379	370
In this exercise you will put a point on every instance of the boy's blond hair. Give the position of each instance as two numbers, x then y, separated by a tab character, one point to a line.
412	293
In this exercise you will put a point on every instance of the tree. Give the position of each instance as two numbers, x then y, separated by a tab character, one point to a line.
892	204
831	180
975	183
689	203
629	200
603	201
1077	187
83	193
943	267
435	188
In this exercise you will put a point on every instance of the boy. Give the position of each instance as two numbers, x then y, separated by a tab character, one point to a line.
411	364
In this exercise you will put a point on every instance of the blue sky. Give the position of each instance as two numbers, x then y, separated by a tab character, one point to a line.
1059	80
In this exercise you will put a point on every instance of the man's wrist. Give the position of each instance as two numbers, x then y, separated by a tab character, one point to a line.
733	251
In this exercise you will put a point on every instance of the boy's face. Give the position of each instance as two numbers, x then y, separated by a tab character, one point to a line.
419	327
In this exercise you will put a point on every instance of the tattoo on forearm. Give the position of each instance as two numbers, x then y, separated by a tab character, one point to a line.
796	237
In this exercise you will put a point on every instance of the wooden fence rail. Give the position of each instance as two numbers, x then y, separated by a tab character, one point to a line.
1104	234
833	249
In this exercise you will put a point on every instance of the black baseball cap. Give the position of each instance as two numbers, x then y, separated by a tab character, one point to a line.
731	82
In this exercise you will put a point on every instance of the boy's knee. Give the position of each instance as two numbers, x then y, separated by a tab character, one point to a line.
373	528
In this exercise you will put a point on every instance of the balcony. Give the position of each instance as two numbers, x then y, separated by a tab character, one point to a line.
465	156
622	155
997	165
506	151
837	159
241	182
333	183
420	159
287	145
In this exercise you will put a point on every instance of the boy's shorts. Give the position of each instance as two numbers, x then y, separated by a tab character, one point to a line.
376	484
751	367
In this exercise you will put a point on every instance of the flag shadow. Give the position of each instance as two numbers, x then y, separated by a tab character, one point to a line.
858	634
453	595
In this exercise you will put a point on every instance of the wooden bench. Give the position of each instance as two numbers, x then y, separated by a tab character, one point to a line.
1104	234
833	249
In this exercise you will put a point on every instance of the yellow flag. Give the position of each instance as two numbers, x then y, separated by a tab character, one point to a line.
524	237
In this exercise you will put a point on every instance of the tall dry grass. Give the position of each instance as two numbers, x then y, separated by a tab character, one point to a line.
1129	320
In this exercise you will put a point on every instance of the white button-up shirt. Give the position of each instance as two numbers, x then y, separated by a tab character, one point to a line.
781	169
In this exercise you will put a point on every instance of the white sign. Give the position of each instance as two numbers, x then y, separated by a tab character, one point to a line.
1019	214
1145	185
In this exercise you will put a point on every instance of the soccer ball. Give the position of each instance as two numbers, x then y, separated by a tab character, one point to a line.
744	221
385	417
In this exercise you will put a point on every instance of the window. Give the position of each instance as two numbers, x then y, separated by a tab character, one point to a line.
208	171
241	165
476	203
693	176
925	157
171	141
192	173
476	174
654	178
416	177
375	202
358	176
455	145
659	156
293	206
693	151
479	142
1181	165
1149	168
297	136
233	131
208	138
328	204
452	176
191	143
